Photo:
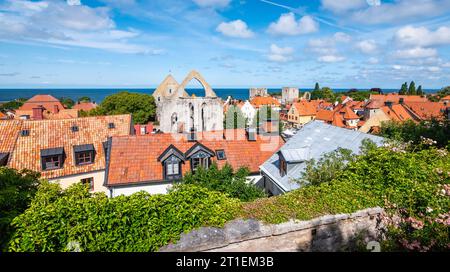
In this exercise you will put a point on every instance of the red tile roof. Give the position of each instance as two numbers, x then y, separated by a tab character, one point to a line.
2	115
259	101
427	110
306	108
349	114
397	113
445	98
135	159
325	115
85	106
47	101
396	98
45	134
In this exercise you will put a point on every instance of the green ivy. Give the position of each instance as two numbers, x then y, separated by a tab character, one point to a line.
136	223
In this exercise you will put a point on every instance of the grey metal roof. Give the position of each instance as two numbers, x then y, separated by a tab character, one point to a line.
83	148
318	138
296	154
52	151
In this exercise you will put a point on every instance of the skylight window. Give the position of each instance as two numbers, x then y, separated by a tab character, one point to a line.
220	154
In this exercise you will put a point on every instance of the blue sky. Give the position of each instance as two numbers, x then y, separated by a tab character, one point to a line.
233	43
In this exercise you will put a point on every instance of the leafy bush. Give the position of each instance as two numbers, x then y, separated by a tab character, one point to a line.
17	189
140	222
226	181
413	186
416	133
141	106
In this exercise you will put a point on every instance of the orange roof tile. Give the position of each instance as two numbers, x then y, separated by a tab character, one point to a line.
325	115
445	98
397	113
2	115
259	101
47	101
392	97
349	114
427	110
306	108
9	131
46	134
135	159
85	106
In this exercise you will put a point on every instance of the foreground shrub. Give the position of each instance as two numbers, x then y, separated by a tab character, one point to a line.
17	189
227	181
413	187
140	222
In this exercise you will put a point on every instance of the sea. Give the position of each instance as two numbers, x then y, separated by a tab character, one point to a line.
98	95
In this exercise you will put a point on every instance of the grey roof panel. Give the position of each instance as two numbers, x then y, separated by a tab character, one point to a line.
320	138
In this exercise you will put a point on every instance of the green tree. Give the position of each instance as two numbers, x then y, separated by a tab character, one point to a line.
13	105
325	93
84	99
225	180
412	88
420	91
444	92
234	118
67	102
141	106
317	87
404	89
17	189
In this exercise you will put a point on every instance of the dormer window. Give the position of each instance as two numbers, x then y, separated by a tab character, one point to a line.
84	154
25	133
75	129
221	154
52	158
111	126
172	168
200	156
172	160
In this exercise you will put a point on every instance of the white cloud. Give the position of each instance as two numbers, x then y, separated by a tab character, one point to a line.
342	37
237	29
212	3
446	65
422	36
367	46
416	52
288	25
280	54
434	69
73	2
65	23
340	6
400	11
373	60
331	58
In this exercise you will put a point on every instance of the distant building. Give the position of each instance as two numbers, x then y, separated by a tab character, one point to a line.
446	99
289	95
305	111
65	151
283	169
152	163
177	112
248	110
41	107
259	101
85	106
3	116
254	92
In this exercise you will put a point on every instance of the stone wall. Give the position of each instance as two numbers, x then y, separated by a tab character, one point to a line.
327	233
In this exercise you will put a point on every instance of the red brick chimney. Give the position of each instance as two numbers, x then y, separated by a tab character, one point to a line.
38	113
55	109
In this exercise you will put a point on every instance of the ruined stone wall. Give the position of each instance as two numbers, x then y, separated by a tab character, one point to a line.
327	233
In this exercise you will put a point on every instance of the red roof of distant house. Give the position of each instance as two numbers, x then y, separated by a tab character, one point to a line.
445	98
396	98
325	115
259	101
135	159
306	108
397	113
349	114
427	110
2	115
46	101
85	106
